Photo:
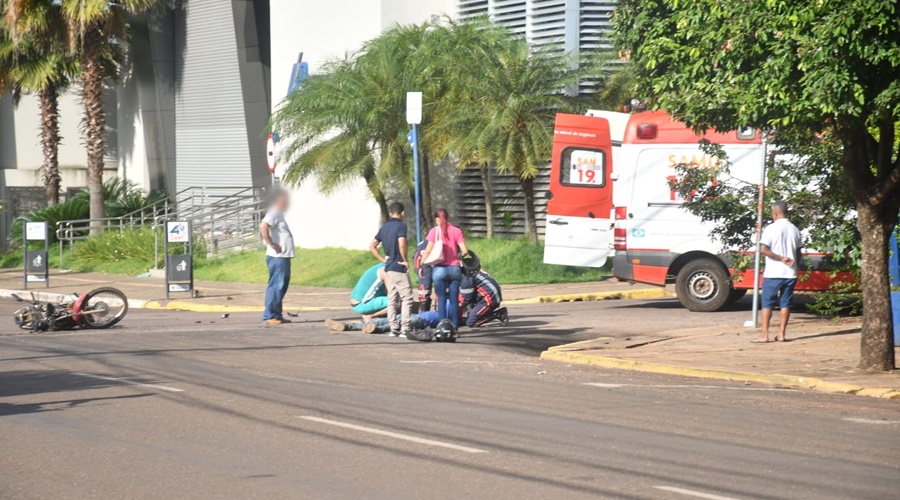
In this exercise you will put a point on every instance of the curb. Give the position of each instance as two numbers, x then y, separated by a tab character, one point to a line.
175	305
59	297
640	293
555	354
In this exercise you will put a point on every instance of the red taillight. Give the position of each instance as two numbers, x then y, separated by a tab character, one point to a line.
646	131
619	239
621	213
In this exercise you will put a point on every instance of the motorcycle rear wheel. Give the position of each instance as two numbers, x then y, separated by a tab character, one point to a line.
103	308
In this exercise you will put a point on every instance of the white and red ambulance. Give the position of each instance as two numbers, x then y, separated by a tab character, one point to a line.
610	197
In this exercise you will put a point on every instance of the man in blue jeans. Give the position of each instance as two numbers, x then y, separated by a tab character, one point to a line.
279	252
781	244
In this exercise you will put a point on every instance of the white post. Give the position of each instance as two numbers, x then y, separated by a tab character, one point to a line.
754	320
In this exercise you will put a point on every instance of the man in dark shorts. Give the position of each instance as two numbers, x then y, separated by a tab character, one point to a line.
780	243
392	237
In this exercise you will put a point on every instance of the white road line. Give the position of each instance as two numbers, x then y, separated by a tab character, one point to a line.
395	435
871	421
688	386
131	382
692	493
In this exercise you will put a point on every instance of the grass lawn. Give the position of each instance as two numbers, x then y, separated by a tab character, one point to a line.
509	261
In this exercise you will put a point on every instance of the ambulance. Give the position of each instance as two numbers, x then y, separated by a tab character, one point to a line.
611	198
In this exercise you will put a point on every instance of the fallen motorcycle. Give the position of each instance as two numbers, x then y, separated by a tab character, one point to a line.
99	308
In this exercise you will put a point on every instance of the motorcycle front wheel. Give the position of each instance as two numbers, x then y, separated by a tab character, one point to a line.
103	308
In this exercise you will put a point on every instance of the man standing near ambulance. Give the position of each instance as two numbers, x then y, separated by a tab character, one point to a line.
781	244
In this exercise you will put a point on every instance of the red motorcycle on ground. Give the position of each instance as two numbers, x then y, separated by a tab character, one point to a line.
99	308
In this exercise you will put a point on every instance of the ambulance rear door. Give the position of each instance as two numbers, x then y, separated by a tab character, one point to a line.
579	206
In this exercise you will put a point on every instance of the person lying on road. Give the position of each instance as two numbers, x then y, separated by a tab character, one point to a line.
382	325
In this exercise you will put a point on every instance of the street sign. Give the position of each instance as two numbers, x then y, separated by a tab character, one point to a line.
35	231
179	268
36	265
414	108
178	232
270	153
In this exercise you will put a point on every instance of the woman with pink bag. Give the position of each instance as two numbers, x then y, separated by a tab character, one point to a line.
445	244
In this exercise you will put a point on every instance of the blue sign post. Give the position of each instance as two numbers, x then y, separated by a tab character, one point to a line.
413	138
414	118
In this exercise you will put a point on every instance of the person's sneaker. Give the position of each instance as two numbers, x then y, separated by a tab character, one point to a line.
369	328
394	333
272	322
335	326
284	321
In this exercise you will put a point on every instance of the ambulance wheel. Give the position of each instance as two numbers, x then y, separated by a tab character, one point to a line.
702	285
736	294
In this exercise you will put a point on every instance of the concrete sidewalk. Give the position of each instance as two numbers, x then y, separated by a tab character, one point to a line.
216	296
820	354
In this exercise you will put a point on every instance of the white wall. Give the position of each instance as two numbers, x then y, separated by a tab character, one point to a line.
323	31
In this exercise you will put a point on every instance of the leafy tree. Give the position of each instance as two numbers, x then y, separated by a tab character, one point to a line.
798	67
799	171
349	122
96	24
39	62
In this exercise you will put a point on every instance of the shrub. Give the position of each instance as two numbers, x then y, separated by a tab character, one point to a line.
130	247
120	196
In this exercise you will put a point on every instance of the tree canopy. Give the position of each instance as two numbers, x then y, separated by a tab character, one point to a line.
800	68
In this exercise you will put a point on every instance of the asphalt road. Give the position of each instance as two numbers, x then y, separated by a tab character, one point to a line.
172	405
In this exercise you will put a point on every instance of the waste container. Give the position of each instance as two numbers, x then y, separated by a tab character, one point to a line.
894	268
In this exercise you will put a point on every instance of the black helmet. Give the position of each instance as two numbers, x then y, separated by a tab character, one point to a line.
470	264
445	331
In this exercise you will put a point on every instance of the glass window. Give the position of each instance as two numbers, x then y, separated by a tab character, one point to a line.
583	167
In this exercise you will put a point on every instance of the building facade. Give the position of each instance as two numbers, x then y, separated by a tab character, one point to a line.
203	78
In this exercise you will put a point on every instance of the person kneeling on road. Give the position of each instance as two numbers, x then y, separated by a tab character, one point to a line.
483	294
369	296
421	321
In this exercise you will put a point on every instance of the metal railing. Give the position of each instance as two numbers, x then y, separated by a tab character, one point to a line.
222	217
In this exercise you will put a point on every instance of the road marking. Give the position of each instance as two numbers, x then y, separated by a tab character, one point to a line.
688	386
692	493
131	382
395	435
871	421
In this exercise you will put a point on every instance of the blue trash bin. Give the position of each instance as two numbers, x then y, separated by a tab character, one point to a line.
894	268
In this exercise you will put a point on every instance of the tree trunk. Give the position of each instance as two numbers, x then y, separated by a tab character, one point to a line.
377	193
427	208
877	341
530	214
94	118
50	142
382	204
488	203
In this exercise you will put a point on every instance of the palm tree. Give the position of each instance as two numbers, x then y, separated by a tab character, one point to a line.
95	24
349	122
39	62
455	50
502	111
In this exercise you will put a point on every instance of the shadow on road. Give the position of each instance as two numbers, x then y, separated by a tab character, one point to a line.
7	409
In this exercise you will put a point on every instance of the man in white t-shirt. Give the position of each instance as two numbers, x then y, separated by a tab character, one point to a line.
780	244
279	252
